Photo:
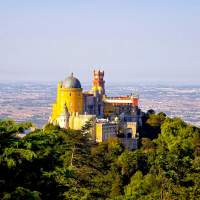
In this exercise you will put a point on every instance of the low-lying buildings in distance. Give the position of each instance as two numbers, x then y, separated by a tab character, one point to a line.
110	116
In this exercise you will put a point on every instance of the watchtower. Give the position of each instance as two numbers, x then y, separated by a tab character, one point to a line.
98	81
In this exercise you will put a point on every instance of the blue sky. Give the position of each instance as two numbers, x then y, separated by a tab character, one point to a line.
133	41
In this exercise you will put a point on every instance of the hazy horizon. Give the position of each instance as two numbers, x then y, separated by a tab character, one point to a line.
107	84
134	41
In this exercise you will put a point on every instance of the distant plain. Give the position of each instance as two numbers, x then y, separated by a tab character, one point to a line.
24	101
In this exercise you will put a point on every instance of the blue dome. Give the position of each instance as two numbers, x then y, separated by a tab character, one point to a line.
71	82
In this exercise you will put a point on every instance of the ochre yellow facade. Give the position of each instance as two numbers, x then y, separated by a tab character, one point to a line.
71	97
104	130
76	122
99	131
133	127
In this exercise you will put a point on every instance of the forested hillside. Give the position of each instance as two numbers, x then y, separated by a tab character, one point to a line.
54	163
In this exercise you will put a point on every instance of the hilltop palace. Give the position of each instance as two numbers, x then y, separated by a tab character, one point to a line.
110	116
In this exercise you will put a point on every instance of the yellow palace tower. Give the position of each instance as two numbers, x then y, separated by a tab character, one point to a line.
69	95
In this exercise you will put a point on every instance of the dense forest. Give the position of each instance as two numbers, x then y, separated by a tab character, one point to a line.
53	163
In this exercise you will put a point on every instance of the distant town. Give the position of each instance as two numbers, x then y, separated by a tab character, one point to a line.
33	101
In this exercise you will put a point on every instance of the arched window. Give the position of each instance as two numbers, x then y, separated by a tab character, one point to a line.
129	135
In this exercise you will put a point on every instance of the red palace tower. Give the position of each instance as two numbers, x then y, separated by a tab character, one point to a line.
98	80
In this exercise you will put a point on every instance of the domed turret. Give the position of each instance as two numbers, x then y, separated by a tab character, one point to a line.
71	82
